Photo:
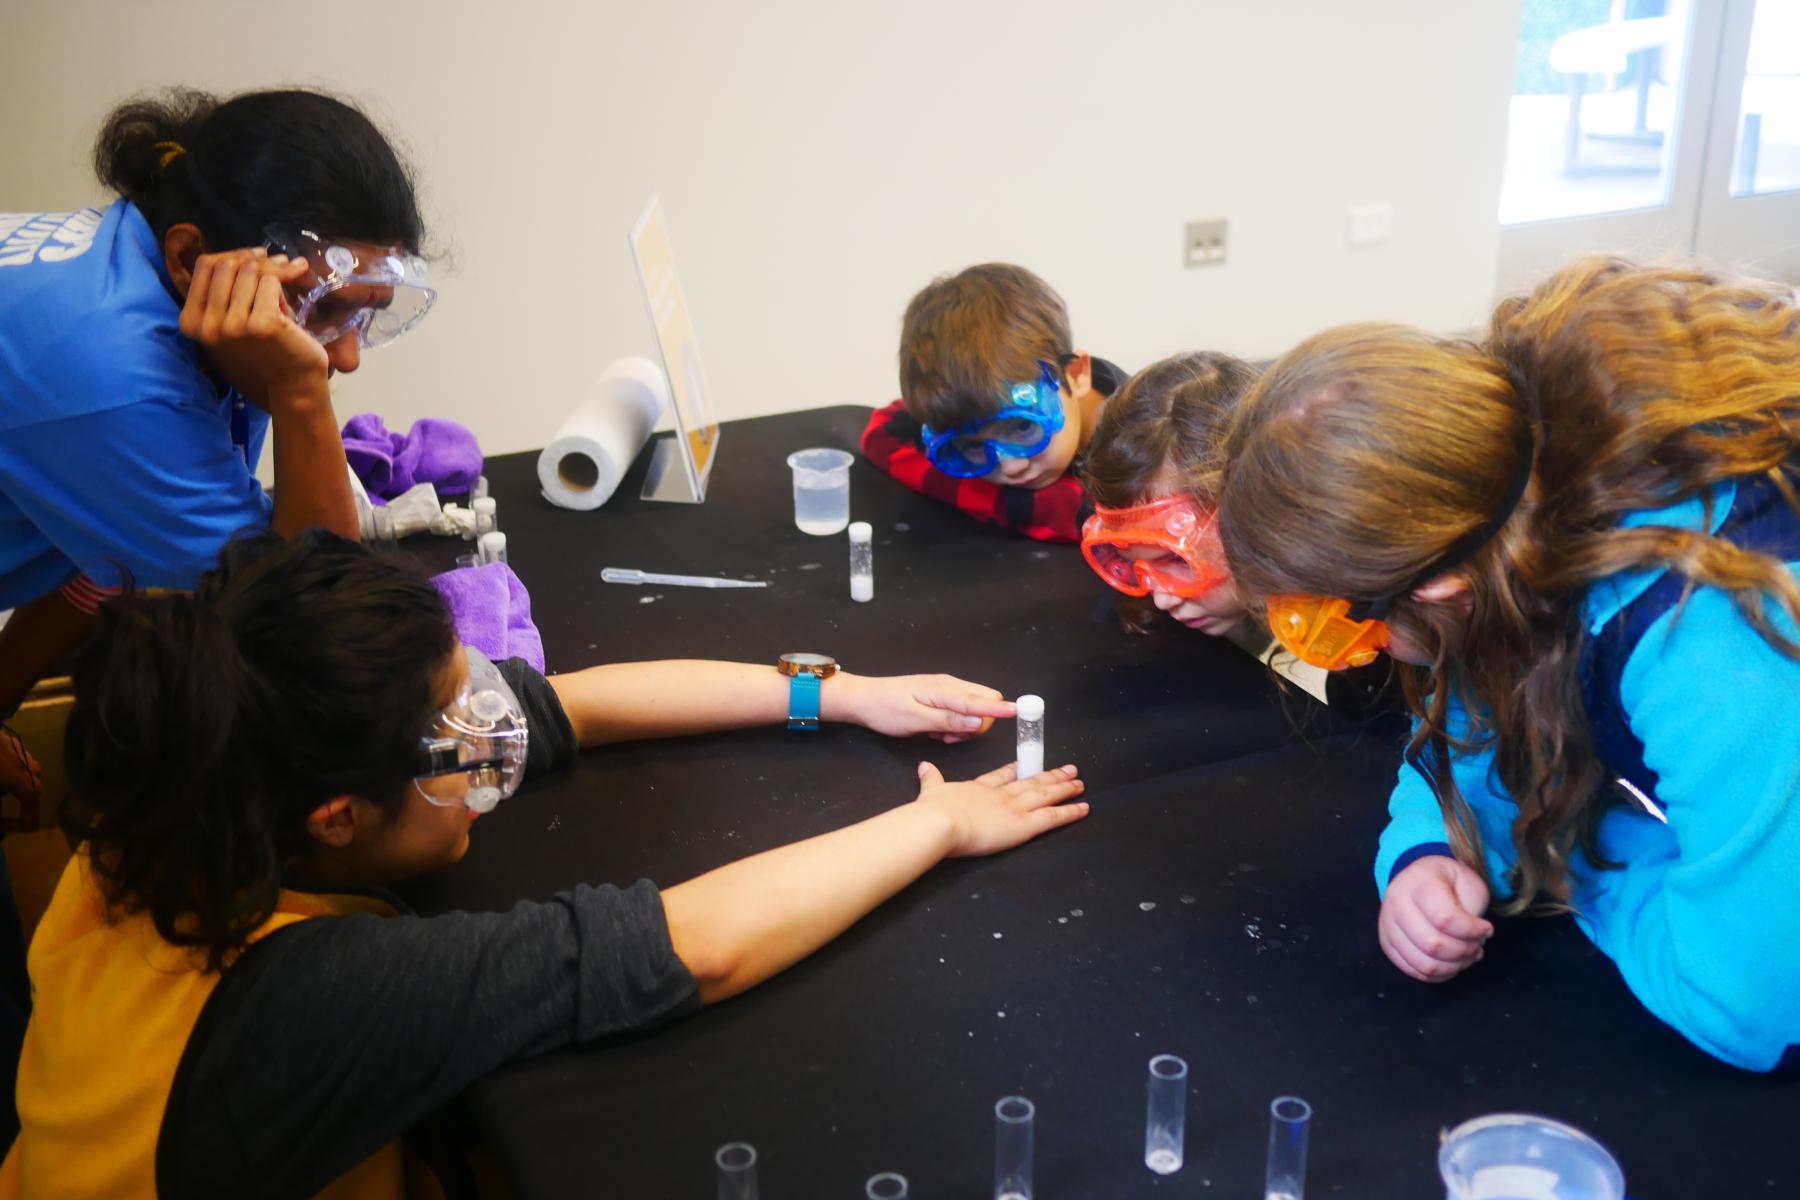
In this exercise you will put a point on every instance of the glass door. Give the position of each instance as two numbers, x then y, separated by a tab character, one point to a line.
1750	193
1607	130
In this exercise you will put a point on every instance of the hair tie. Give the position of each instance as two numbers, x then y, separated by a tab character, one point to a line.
171	152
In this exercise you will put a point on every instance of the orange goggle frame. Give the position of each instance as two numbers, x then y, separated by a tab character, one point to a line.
1320	631
1175	524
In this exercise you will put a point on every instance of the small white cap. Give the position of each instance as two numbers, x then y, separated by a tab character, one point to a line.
492	543
483	504
861	531
1031	708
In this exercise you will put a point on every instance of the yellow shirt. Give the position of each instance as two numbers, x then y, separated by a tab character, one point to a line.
113	1007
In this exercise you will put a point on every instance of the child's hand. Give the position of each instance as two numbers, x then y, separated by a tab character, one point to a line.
947	708
237	309
1431	925
999	811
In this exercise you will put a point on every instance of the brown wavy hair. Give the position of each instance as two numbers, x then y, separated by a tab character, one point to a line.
1169	418
1365	453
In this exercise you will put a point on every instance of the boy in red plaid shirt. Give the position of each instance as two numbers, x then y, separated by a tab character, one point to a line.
996	404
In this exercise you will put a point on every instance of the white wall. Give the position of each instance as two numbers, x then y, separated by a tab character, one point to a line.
819	161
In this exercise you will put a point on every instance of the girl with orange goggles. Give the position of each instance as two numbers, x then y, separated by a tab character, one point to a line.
1168	545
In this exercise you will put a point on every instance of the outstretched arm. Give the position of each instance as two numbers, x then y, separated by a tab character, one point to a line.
738	925
621	702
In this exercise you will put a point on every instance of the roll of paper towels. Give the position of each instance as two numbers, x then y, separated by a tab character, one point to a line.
581	466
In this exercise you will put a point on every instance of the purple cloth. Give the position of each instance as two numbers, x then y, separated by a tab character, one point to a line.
492	612
434	451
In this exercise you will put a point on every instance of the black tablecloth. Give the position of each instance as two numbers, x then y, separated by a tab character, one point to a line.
1217	904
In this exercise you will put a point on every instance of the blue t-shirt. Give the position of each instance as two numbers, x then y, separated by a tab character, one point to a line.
116	449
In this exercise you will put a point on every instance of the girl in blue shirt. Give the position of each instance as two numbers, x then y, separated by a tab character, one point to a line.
145	349
1579	539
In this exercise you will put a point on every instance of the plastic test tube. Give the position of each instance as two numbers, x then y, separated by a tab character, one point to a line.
1290	1120
479	489
493	547
886	1186
1165	1122
737	1171
1031	736
1014	1117
862	562
487	515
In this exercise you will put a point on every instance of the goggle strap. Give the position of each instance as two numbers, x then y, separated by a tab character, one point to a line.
1469	544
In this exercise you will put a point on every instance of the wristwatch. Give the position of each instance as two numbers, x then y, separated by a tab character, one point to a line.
805	672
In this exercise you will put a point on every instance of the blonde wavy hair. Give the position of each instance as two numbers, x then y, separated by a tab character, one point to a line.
1368	451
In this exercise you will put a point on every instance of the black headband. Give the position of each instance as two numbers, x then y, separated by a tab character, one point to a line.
1465	547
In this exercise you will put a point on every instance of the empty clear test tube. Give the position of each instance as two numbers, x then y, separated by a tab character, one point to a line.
737	1171
1014	1117
1290	1121
886	1186
1165	1120
862	561
1031	736
479	488
493	547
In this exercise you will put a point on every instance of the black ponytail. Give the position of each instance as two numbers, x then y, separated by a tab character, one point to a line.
233	167
207	727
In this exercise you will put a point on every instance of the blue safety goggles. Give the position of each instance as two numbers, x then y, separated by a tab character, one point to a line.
1031	416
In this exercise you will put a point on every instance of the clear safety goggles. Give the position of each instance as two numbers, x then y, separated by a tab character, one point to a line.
1169	545
1327	631
474	753
1031	415
353	287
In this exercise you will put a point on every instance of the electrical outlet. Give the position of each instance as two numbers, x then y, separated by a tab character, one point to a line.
1370	224
1205	244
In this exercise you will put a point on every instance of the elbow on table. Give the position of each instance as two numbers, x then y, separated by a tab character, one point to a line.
712	954
1752	1025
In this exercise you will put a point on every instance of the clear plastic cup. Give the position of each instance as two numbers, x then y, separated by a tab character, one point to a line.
1015	1120
1516	1156
886	1186
821	490
737	1171
1165	1121
1290	1127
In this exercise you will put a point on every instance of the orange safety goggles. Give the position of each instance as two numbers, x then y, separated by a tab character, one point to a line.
1327	632
1335	633
1121	545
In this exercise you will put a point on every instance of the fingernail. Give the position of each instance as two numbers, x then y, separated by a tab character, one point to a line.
969	723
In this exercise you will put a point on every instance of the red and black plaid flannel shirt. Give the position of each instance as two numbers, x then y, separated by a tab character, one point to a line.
1052	513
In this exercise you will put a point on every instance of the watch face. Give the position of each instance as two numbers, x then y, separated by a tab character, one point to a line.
809	660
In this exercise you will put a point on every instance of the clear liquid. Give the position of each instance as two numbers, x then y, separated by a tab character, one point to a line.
823	510
1163	1162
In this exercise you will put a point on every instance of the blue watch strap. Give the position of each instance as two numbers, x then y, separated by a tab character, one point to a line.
803	700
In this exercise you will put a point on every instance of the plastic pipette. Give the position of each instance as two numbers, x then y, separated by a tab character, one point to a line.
627	575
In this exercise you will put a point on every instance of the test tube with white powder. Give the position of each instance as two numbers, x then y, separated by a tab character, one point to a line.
1031	736
487	515
493	547
862	562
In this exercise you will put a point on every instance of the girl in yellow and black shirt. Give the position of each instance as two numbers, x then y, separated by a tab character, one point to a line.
229	1005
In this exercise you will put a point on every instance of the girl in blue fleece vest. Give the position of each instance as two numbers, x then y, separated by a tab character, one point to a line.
1578	538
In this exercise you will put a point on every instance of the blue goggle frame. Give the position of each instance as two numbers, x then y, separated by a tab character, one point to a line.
1040	403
